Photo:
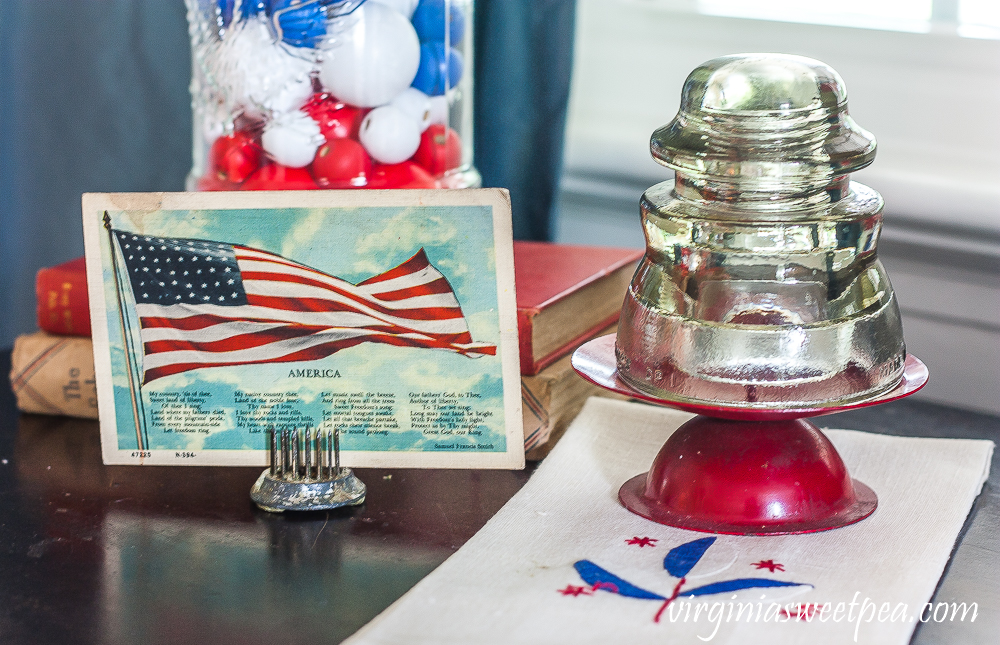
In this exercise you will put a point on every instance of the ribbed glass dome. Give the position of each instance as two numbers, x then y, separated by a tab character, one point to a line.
761	286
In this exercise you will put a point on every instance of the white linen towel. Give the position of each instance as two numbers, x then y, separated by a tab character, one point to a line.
521	579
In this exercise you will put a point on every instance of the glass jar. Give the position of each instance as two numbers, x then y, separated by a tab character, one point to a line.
308	94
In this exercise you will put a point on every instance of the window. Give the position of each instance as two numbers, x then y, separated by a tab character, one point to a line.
893	15
928	92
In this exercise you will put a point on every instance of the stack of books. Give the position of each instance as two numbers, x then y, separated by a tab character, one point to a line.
566	295
52	370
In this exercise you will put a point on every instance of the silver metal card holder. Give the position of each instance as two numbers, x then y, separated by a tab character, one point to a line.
305	473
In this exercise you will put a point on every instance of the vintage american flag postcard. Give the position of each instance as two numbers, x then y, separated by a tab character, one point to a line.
388	316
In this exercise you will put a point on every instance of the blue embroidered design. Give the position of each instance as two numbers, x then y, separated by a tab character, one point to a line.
678	563
736	585
599	578
682	559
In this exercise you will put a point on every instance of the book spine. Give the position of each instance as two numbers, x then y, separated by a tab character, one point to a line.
54	375
61	296
525	318
536	398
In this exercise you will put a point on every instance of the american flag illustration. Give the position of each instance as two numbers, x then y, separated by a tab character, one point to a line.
208	304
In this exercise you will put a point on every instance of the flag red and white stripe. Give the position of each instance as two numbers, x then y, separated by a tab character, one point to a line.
292	312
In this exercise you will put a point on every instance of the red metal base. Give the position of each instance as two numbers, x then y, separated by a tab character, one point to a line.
741	470
748	478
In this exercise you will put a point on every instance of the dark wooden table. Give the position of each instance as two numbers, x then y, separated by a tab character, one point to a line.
121	554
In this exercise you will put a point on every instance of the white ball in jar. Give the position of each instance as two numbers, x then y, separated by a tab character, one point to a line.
291	96
439	110
389	135
377	58
405	7
416	104
292	139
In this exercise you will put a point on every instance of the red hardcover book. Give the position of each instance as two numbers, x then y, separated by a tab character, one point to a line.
61	294
565	295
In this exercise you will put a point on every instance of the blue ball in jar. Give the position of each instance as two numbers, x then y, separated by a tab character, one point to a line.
430	17
440	69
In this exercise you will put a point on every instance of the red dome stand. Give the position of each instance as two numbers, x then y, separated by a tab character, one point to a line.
744	471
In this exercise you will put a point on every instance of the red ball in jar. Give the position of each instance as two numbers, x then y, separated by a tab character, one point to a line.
210	183
400	175
277	177
336	119
235	157
440	150
341	163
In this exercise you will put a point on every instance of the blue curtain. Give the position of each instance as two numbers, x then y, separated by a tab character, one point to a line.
524	54
94	97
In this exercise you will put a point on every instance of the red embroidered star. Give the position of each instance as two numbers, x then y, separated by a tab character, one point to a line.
641	541
770	565
571	590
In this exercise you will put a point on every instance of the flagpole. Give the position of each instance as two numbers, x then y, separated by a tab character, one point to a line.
126	337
